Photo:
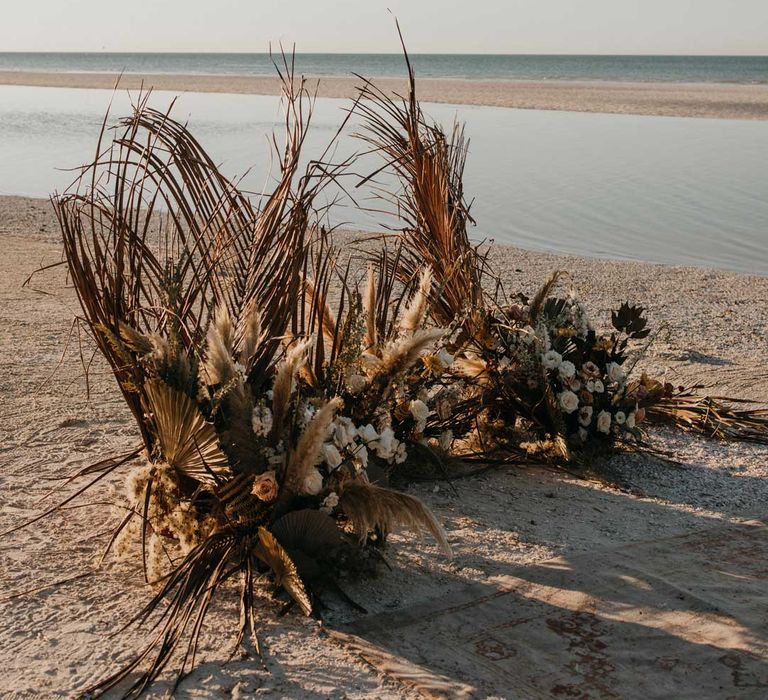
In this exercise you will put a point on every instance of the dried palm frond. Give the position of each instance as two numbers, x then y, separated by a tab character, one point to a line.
371	336
717	416
375	509
430	203
185	440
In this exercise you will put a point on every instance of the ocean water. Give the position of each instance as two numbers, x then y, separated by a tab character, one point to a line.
659	189
706	69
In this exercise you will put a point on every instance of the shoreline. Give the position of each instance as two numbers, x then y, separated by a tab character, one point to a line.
698	100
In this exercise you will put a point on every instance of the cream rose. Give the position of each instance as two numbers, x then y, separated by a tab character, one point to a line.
569	402
551	359
332	455
585	415
604	422
620	417
313	483
265	486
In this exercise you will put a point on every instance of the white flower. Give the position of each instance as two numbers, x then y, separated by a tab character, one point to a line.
261	420
330	502
420	413
567	369
313	483
585	415
620	417
240	369
615	373
445	440
551	359
356	383
400	454
368	433
569	402
599	387
631	421
386	445
591	386
604	422
332	455
446	359
344	432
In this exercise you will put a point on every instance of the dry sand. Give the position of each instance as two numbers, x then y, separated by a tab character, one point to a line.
725	101
55	641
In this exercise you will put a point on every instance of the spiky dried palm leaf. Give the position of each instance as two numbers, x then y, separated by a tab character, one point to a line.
714	416
430	203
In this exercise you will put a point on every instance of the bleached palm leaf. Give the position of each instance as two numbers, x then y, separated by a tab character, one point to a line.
283	568
187	441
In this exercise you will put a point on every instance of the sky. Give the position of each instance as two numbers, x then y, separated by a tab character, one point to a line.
358	26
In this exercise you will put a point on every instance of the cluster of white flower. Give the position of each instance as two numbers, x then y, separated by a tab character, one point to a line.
261	420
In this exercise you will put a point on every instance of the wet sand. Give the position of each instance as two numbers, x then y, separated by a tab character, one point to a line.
717	101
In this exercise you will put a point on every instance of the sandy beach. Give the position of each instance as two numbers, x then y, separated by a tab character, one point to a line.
56	641
723	101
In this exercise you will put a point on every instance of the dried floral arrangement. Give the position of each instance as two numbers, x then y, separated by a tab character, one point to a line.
278	391
270	418
539	381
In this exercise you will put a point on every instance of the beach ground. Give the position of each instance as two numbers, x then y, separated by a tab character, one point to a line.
55	641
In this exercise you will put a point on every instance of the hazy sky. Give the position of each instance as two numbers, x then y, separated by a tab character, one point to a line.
441	26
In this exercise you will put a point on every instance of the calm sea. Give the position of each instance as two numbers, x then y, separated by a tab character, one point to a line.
661	189
706	69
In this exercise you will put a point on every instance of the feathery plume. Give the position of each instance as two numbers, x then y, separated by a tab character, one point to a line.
372	508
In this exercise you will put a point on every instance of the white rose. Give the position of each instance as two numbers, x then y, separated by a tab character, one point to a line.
446	359
620	417
386	445
615	373
356	383
344	432
420	413
631	421
551	359
332	455
567	369
313	483
604	422
585	415
569	402
599	387
400	453
367	433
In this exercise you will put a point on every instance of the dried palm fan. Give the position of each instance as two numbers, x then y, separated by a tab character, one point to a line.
198	301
